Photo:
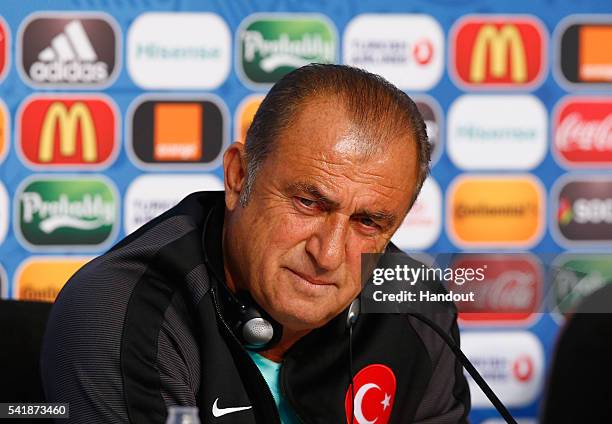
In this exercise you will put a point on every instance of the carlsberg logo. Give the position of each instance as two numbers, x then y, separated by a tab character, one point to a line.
89	213
67	212
284	51
271	48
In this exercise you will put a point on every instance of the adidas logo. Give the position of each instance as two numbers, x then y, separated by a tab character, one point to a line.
70	57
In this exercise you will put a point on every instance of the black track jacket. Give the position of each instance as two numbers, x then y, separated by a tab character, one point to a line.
141	327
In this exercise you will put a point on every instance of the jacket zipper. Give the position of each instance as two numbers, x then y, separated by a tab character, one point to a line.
243	350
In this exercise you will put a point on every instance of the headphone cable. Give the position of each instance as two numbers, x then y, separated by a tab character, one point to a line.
351	374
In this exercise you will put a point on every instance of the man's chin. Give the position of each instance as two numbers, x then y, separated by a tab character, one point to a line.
303	317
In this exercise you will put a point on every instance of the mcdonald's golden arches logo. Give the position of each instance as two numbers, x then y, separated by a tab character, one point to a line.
498	51
68	132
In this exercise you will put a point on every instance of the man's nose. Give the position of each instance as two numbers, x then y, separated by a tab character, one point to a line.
327	246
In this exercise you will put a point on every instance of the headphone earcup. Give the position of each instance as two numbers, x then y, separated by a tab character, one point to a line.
256	329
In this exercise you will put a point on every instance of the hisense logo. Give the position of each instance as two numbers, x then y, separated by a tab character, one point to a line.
88	213
270	46
284	51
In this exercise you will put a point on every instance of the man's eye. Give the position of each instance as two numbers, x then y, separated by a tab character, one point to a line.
368	222
306	202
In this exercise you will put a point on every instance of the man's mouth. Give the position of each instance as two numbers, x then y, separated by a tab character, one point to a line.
310	279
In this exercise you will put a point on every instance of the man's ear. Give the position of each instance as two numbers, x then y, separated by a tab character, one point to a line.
234	173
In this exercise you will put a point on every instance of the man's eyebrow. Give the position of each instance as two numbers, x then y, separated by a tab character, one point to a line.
313	190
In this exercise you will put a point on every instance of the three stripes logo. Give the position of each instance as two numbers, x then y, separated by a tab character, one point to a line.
68	50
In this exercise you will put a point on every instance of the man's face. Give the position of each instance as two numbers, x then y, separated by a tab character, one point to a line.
316	206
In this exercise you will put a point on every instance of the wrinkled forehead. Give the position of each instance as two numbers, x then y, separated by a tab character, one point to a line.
325	125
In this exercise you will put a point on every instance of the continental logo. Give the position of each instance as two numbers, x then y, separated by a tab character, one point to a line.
582	51
66	212
176	132
495	211
4	131
583	211
41	278
70	132
5	45
245	114
498	51
68	50
270	46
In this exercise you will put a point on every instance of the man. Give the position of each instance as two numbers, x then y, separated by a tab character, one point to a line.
332	163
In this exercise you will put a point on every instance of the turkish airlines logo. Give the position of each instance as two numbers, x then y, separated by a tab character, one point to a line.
511	362
148	196
583	132
406	49
423	223
69	50
68	131
374	394
491	51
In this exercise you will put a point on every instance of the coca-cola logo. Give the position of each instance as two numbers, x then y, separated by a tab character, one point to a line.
510	293
583	132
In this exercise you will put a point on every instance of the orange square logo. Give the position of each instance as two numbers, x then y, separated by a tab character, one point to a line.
595	54
177	132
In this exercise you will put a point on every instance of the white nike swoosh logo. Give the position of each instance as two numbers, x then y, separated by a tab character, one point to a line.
219	412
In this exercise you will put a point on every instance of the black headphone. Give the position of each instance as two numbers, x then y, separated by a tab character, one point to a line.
252	325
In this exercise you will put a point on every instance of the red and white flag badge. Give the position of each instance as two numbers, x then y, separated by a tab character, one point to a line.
374	394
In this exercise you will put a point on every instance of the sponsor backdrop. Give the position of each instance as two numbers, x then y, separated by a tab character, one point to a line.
111	112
